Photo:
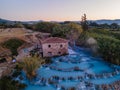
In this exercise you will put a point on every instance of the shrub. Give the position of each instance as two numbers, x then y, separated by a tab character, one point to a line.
6	83
31	64
13	45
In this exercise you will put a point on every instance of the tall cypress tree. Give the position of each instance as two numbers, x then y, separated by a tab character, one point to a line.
84	23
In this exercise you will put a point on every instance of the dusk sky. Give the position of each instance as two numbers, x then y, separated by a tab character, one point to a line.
59	10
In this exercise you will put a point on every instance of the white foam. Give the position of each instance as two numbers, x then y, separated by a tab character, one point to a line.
71	51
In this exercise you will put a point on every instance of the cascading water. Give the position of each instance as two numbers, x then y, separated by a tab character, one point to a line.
78	70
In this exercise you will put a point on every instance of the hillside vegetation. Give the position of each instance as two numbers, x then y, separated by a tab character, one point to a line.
13	45
108	44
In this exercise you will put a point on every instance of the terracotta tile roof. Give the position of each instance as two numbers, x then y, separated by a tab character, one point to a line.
54	40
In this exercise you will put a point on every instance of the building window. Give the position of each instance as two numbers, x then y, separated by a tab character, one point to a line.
49	46
49	53
59	52
61	45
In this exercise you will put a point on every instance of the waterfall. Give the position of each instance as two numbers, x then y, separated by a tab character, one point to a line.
117	72
74	44
104	75
58	87
87	77
47	84
94	76
81	86
71	51
38	82
94	87
111	75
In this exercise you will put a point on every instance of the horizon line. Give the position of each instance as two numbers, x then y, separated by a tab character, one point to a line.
58	20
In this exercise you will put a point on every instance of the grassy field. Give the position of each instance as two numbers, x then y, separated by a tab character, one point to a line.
12	32
8	33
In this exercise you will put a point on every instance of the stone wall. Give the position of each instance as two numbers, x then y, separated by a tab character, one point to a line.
54	49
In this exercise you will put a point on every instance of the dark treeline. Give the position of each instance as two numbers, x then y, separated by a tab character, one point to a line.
49	25
11	25
113	26
65	30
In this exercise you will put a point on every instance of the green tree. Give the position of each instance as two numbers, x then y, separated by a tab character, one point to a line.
72	31
13	45
44	26
30	65
18	25
58	31
104	26
84	23
114	26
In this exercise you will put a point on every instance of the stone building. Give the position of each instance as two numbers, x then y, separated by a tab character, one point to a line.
54	46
